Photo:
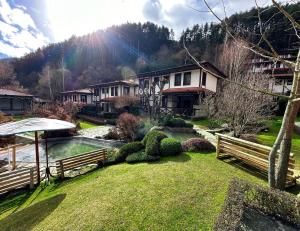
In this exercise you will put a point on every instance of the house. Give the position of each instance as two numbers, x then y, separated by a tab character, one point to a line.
83	96
184	89
107	94
14	102
281	76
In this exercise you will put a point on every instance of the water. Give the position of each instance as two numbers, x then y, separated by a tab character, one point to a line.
254	220
61	148
181	136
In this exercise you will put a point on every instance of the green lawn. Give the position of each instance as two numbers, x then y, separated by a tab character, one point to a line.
177	193
268	138
85	124
202	123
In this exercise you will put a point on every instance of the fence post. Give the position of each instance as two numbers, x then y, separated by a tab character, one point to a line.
218	145
13	157
31	178
61	165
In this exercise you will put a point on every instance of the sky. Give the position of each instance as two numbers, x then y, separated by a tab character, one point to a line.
26	25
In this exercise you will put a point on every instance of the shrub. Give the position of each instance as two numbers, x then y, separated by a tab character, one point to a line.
197	145
170	147
112	134
128	149
141	157
189	125
128	125
110	115
176	122
153	139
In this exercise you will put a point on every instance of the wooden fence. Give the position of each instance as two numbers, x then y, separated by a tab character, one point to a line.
94	157
17	179
253	154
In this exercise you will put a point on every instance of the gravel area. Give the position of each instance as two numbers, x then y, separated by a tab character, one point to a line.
93	132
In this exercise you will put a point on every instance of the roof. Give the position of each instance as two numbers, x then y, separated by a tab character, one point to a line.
118	82
84	90
185	90
32	125
9	92
207	65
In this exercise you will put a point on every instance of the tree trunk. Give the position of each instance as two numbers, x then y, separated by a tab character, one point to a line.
278	179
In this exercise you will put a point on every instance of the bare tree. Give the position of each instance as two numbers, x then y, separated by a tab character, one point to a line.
284	139
7	74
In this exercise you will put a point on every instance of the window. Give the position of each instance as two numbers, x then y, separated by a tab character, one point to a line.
177	79
66	97
126	90
141	83
146	84
96	92
112	91
104	90
83	98
164	101
74	98
289	82
187	78
204	79
156	80
116	91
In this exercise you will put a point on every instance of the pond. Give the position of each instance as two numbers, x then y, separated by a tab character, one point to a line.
62	147
181	136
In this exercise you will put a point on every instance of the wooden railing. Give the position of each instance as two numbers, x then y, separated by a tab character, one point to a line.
17	179
253	154
95	157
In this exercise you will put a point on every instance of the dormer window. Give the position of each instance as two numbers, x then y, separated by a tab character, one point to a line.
177	81
187	78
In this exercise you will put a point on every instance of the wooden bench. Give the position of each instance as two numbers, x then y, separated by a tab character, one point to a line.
17	179
253	154
95	157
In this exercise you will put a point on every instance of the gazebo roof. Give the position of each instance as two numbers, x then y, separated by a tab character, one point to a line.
34	124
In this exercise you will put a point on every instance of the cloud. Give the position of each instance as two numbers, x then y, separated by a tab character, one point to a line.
152	10
18	31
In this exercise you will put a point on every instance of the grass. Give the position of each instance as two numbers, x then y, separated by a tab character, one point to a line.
85	124
202	123
185	192
268	138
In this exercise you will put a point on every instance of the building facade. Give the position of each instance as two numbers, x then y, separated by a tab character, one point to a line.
14	102
281	76
184	88
82	96
106	95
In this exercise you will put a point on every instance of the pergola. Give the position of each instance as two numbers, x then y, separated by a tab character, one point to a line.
35	125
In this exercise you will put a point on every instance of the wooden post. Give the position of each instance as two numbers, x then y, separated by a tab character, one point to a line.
14	158
31	178
218	146
61	165
37	157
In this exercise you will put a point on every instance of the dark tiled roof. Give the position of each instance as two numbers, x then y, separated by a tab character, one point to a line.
120	82
85	91
207	65
9	92
185	90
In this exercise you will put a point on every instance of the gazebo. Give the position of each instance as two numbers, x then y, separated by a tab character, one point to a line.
35	125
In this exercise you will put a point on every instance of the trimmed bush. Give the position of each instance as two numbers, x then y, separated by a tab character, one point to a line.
189	125
197	145
176	122
153	139
170	147
141	157
128	149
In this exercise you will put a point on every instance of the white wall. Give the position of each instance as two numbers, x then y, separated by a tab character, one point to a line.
211	82
195	78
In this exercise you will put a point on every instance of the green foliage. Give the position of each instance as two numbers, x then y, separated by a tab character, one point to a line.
153	139
128	149
176	122
170	147
141	157
197	144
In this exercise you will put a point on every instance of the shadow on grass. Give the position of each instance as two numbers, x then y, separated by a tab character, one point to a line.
180	159
27	218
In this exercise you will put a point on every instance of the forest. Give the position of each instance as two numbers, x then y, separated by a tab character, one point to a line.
121	51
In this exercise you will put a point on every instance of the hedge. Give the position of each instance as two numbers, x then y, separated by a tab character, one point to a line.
197	145
128	149
153	139
243	195
141	156
170	147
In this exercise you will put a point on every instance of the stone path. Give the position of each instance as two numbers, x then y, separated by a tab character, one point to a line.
96	131
207	135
